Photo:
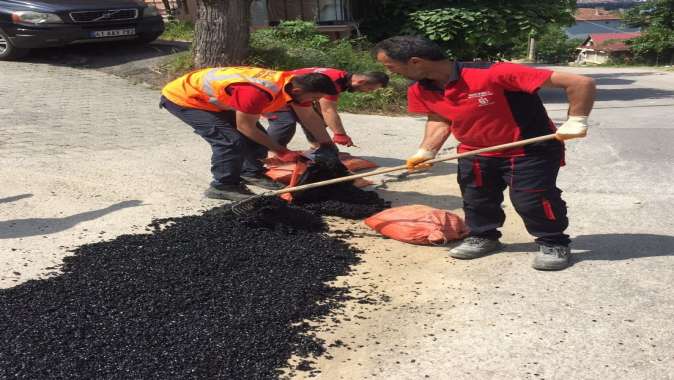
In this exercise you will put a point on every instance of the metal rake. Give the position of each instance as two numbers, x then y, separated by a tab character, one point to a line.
246	206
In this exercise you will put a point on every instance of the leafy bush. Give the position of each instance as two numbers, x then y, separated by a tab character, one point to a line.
178	31
297	44
656	43
552	46
390	100
470	29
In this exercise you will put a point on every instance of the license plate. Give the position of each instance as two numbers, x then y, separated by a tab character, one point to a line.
113	33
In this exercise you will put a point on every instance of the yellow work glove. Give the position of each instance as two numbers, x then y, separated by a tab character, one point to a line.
416	162
574	127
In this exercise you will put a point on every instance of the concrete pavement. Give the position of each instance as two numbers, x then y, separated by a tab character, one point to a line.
87	156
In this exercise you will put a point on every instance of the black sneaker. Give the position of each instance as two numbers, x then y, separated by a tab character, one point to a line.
473	247
233	193
555	257
263	182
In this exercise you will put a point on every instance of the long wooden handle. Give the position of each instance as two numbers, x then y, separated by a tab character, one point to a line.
404	167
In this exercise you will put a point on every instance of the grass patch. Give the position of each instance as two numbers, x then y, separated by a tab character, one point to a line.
178	31
179	64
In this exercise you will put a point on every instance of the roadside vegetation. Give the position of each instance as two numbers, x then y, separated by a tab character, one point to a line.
467	29
178	31
297	44
552	46
656	44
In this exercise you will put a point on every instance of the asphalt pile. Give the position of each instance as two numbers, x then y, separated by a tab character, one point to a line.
208	296
342	199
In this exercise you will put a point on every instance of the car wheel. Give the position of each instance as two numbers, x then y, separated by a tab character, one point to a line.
7	50
146	38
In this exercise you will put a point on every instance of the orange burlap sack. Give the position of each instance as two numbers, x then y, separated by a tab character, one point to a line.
282	172
355	164
418	224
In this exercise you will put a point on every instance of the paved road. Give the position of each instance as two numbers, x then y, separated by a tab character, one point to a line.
88	156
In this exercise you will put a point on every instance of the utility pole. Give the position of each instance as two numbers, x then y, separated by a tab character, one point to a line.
531	54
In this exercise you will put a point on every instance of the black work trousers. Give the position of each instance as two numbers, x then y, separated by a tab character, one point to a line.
282	127
532	181
233	154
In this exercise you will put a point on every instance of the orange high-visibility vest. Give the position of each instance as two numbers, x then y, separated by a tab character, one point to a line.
206	89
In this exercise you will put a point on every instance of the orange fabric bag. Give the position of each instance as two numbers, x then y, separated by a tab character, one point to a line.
282	172
418	224
355	164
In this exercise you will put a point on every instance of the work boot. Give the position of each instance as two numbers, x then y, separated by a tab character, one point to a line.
555	257
234	193
473	247
263	182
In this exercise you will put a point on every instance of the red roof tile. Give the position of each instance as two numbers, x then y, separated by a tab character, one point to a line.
595	14
610	41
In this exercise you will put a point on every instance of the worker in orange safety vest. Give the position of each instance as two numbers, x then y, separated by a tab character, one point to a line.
224	105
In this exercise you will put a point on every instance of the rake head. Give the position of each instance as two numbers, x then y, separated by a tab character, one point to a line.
246	206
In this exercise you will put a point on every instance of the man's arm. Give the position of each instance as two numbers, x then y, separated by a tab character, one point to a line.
436	133
331	117
247	124
334	122
580	90
312	122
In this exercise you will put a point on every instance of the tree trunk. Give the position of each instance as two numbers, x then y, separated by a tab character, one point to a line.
167	7
222	32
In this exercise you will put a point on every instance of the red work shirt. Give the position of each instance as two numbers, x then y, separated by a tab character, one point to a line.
247	98
489	104
339	77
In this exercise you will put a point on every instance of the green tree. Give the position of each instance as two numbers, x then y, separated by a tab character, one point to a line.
656	43
552	46
470	28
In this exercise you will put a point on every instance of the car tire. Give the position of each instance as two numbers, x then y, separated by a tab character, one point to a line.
7	50
146	38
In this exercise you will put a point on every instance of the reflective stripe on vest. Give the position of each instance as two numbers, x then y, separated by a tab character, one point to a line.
212	76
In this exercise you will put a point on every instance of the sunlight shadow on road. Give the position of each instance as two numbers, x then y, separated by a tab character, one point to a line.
20	228
611	247
15	198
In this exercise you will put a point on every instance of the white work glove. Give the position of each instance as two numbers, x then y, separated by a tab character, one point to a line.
416	162
574	127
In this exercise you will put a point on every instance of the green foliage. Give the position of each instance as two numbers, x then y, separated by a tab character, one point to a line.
552	46
178	31
391	99
467	28
297	44
470	29
656	43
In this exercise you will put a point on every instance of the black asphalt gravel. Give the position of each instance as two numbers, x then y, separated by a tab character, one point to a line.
342	199
208	296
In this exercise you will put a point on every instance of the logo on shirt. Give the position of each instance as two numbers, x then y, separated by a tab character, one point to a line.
482	97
